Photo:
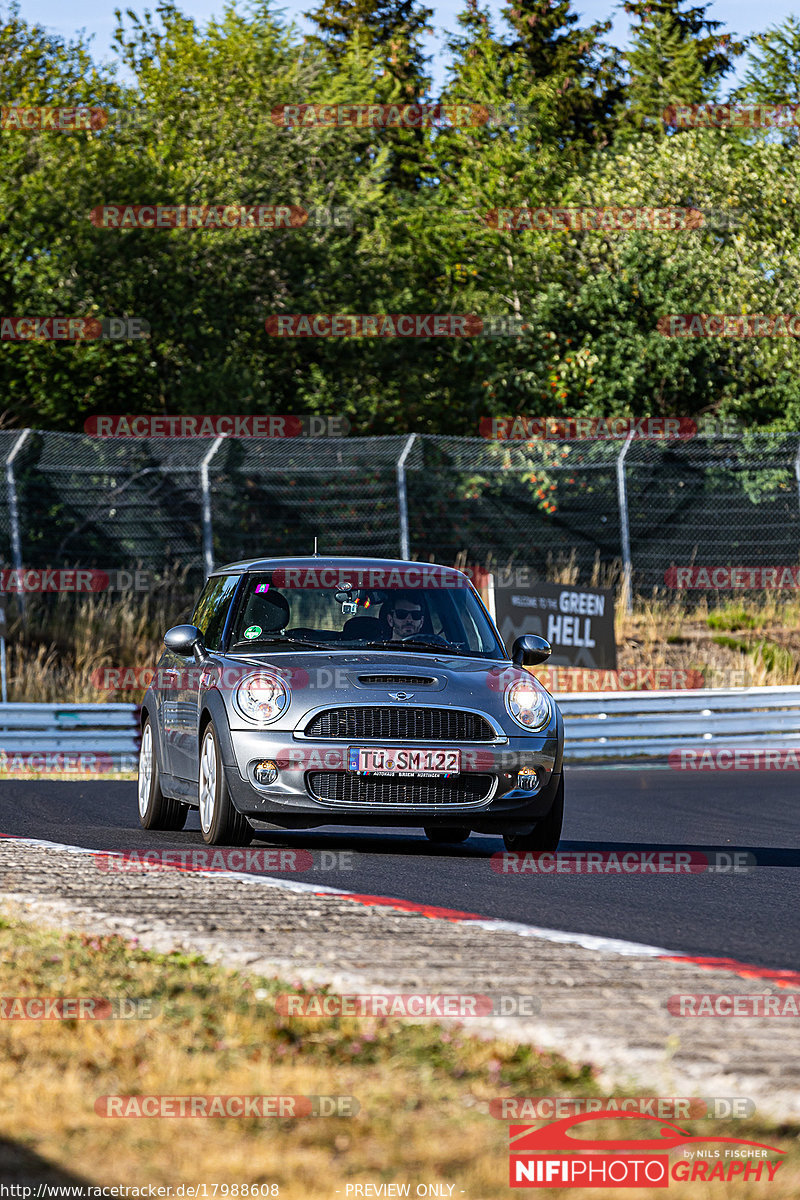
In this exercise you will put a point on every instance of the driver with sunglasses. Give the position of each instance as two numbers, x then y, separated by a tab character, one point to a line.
404	615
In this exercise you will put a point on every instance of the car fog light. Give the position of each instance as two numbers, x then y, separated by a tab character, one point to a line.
266	771
528	779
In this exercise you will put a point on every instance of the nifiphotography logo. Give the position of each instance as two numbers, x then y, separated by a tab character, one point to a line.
549	1157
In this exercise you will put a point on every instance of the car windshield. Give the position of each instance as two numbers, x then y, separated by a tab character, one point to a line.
326	609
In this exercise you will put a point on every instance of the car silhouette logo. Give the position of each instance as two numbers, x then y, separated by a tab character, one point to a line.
555	1135
401	695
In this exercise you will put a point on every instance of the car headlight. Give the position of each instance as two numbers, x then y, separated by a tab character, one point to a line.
528	705
261	697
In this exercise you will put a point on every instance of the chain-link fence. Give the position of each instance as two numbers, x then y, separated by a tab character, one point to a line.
69	499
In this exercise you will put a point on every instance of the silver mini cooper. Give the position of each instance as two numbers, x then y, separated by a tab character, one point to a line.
337	691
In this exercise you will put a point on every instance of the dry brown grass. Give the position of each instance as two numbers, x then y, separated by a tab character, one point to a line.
423	1090
739	643
54	649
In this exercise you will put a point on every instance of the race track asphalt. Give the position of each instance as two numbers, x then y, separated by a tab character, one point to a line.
750	916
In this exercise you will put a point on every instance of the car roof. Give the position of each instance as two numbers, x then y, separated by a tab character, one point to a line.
326	562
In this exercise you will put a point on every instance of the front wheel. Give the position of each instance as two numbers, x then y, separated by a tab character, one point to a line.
156	811
220	823
442	835
547	834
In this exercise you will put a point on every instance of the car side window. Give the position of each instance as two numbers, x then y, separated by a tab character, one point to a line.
212	608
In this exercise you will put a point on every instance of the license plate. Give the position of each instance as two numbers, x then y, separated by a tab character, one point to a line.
399	761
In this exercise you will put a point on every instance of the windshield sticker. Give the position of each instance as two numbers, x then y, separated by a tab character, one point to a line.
262	587
252	631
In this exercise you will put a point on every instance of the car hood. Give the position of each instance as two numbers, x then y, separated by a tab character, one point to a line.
322	678
383	662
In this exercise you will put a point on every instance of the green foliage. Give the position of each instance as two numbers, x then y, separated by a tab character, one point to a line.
420	238
729	643
731	617
676	57
586	70
387	34
773	657
773	71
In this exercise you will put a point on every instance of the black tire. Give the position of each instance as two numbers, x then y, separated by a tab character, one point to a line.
156	811
220	823
442	835
547	834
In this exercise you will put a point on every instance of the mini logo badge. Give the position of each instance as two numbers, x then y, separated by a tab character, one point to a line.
401	695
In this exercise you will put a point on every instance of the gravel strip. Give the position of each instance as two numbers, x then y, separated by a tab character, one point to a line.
592	1005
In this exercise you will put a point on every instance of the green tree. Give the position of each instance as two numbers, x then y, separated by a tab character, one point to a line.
677	56
585	69
773	72
389	33
204	136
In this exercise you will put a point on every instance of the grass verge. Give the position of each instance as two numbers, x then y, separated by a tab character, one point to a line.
423	1090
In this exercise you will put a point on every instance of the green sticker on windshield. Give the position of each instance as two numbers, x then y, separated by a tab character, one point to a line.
252	631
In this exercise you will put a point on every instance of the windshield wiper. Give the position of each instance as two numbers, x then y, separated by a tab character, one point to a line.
278	641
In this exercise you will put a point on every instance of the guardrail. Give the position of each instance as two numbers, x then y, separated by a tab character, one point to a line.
90	738
648	725
600	726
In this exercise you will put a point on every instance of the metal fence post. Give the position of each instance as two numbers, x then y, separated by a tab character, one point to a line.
624	523
208	531
402	498
13	511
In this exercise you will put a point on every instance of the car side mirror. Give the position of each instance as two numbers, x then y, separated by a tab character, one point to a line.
529	650
186	640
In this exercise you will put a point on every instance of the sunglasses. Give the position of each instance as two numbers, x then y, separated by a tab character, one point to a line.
403	614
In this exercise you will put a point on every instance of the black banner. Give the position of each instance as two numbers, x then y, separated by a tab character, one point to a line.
577	622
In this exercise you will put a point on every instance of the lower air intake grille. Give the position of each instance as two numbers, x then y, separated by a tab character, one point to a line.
405	724
340	787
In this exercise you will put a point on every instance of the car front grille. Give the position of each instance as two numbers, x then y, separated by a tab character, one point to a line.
401	724
340	787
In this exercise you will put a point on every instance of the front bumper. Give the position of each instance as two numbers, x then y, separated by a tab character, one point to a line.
496	802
